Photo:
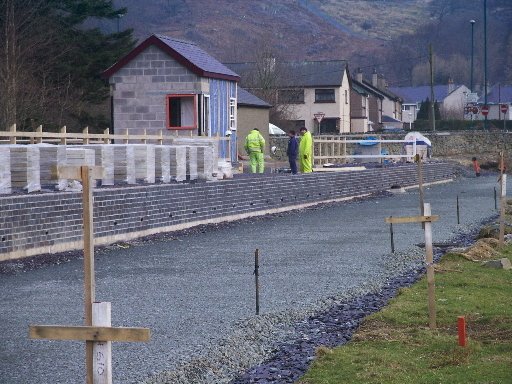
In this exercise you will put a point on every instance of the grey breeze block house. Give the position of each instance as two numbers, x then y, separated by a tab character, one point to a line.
174	86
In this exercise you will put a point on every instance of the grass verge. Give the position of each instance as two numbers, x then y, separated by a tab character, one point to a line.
395	345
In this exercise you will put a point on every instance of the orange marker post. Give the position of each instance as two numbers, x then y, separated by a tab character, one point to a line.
461	325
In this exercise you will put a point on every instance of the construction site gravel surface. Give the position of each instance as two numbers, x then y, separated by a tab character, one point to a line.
195	290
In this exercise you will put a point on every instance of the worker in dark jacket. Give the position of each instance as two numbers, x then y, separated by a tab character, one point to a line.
292	151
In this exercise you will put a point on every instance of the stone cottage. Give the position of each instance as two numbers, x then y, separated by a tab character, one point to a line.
169	85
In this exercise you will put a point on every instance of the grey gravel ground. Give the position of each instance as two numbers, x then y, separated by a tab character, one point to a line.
196	292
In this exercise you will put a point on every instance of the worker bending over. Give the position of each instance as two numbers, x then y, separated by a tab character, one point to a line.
255	148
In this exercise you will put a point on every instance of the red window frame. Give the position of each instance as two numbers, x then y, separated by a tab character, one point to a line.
168	111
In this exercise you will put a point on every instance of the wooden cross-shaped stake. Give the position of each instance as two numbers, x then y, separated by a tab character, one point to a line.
427	220
97	332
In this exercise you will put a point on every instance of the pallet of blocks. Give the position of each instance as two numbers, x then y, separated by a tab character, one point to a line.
51	156
144	162
104	157
25	167
205	163
178	162
202	141
124	163
5	170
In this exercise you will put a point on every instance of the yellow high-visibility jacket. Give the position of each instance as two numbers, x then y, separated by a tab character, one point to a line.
254	142
306	153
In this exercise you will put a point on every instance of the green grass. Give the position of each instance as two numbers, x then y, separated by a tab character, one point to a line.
395	345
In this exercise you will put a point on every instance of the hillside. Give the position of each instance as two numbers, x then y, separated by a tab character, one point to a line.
389	35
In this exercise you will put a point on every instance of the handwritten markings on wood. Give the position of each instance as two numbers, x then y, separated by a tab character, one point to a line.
97	332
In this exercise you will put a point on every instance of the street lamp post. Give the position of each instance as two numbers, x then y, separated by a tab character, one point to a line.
485	59
472	52
410	120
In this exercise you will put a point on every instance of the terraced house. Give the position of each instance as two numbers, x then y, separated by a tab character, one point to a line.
301	90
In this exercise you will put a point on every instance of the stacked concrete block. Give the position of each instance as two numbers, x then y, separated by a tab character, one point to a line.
25	167
205	163
163	163
144	162
124	163
104	158
191	162
178	162
5	170
50	157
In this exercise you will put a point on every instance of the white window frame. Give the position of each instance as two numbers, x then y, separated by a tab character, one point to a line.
232	113
206	116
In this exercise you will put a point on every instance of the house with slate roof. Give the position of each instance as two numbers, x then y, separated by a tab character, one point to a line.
451	98
174	86
303	89
497	95
371	103
252	113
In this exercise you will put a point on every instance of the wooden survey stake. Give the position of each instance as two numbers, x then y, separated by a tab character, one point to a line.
97	332
427	220
503	198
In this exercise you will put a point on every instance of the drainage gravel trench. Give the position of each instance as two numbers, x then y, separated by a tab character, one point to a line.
196	291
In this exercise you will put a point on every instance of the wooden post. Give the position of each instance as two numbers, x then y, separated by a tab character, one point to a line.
97	332
345	160
379	147
106	138
429	254
86	137
144	140
420	187
102	350
63	138
39	131
161	138
89	283
430	269
256	279
495	200
503	194
12	138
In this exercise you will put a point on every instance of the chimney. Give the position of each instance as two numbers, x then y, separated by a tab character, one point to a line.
359	75
451	86
375	78
381	82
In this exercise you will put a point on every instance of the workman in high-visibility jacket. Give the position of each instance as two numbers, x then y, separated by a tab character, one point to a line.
255	148
305	151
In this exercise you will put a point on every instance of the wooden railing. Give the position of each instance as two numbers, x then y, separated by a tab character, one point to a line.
12	136
339	148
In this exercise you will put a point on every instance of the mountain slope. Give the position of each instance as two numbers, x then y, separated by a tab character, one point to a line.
391	36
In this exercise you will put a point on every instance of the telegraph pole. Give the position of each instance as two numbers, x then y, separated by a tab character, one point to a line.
432	100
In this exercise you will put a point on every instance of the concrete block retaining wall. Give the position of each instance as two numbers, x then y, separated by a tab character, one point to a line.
52	222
